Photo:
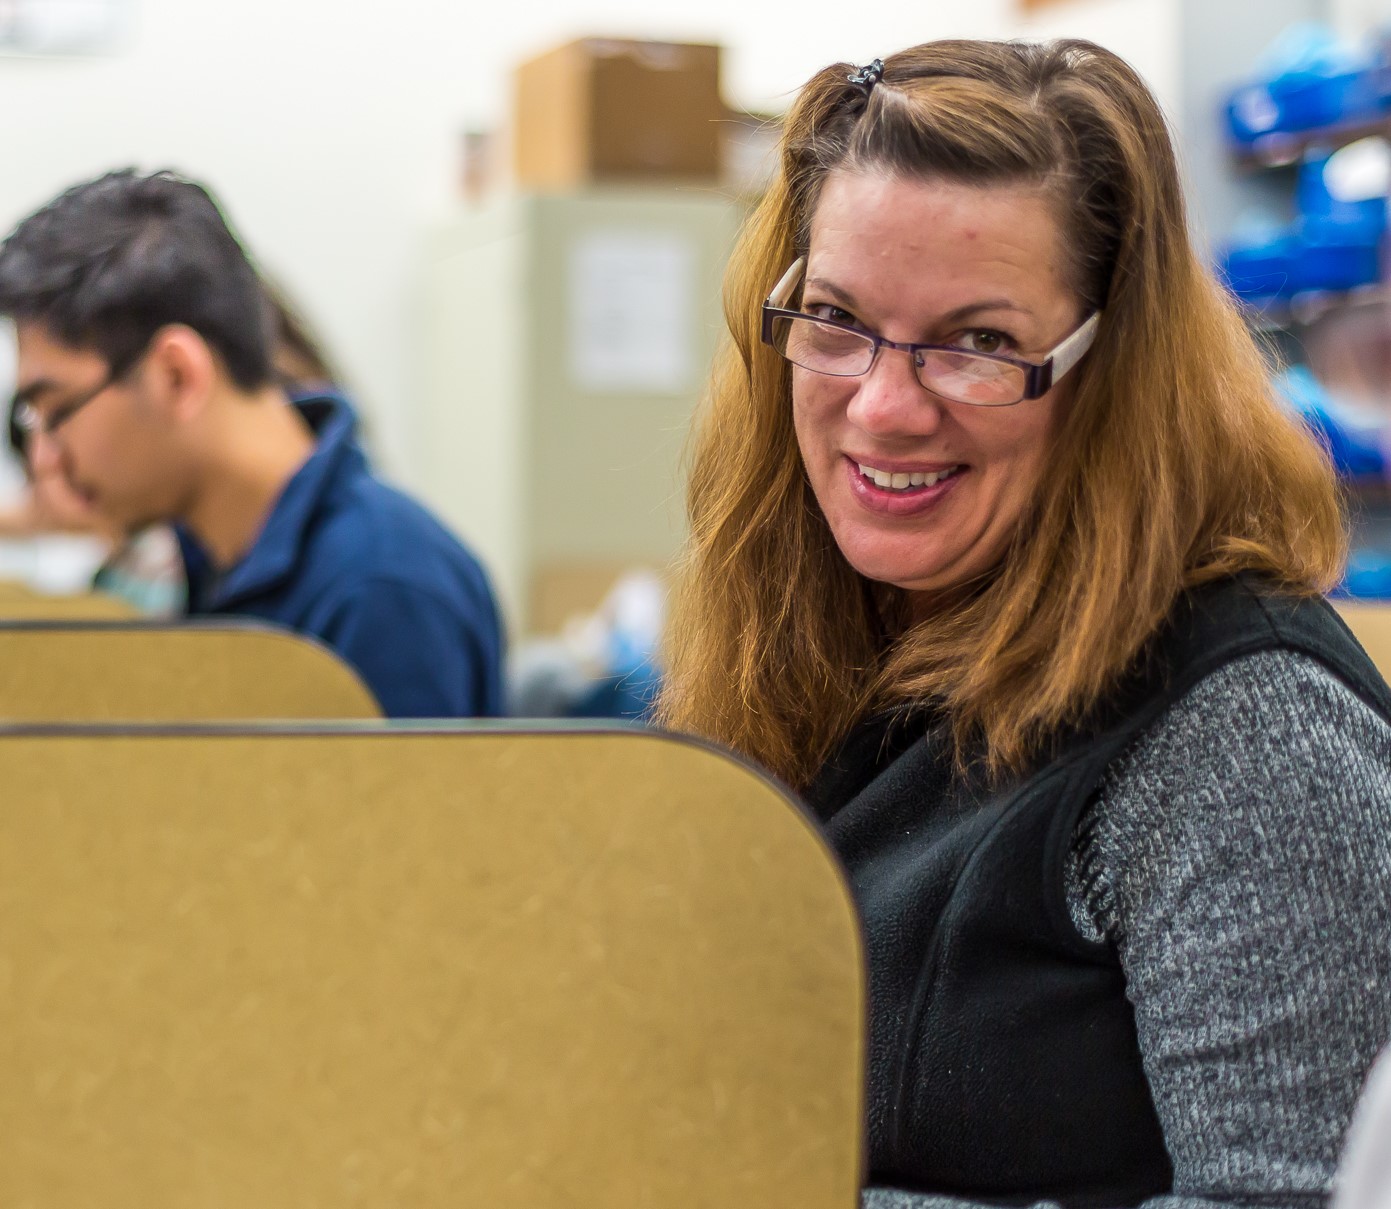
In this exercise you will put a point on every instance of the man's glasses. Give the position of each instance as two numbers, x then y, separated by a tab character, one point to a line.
842	350
29	420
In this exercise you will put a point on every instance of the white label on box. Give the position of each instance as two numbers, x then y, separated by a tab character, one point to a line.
631	320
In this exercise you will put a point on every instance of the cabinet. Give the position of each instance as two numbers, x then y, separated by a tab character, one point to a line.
564	342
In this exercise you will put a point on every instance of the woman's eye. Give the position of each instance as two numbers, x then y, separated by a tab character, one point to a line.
825	310
984	340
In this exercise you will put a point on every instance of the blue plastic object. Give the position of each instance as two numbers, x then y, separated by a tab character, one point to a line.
1261	271
1312	256
1316	202
1334	244
1368	575
629	697
1290	106
1307	79
1331	259
1357	442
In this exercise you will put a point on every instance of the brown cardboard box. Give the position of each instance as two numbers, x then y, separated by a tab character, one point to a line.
564	591
610	109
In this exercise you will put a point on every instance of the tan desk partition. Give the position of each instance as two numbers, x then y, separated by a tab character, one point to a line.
71	672
1371	625
431	970
20	603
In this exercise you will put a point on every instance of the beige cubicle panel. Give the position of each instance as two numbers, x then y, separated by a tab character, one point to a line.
74	672
420	969
21	603
1371	626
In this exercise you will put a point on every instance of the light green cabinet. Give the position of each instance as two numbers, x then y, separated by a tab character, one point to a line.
565	342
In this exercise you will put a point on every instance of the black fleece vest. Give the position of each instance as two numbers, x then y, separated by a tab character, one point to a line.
1003	1060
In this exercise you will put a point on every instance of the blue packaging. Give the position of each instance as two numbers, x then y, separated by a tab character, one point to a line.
1307	79
1261	271
1356	440
1337	238
1334	259
1316	200
1368	575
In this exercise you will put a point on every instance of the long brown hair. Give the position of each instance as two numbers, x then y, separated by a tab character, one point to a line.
1174	465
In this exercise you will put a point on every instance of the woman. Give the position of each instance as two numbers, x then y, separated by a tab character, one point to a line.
1003	555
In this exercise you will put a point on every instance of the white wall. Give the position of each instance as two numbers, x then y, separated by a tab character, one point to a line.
331	128
1354	18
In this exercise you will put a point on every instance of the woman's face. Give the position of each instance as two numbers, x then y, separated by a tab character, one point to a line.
981	268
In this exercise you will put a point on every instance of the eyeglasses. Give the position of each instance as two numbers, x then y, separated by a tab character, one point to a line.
842	350
30	420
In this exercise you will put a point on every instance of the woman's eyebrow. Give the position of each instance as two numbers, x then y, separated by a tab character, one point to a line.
830	288
988	304
956	315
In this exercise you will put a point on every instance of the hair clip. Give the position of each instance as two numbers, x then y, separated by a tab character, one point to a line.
867	77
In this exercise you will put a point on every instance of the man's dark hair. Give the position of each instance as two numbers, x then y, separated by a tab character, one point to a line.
108	263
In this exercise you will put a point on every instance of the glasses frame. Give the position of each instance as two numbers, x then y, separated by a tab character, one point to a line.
1039	376
29	420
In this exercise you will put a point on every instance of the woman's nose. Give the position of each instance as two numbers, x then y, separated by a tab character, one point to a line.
890	401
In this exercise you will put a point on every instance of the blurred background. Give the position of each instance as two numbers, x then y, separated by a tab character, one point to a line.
508	227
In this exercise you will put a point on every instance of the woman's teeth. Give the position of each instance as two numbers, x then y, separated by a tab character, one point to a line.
901	482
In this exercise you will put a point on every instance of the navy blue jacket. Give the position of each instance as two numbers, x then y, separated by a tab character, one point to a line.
369	572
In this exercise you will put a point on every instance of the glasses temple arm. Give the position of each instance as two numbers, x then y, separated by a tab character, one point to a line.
786	283
1074	348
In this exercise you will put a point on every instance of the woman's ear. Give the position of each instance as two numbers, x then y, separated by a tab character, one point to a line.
180	371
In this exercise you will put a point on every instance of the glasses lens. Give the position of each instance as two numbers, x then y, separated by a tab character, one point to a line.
26	418
970	379
823	347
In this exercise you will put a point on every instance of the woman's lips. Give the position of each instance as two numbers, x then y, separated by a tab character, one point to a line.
876	485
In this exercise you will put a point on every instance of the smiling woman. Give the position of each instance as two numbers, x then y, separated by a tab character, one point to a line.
976	269
1004	555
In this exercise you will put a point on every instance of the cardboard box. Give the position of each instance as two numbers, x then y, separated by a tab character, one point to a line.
564	592
612	110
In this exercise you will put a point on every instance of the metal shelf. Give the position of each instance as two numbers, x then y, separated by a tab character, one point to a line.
1309	306
1284	149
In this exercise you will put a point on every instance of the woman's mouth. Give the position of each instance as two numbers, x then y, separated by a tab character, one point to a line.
902	493
889	480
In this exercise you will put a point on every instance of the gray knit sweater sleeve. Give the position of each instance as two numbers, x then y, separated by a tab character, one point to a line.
1239	857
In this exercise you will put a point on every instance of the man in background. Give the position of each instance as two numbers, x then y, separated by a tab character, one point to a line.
145	378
